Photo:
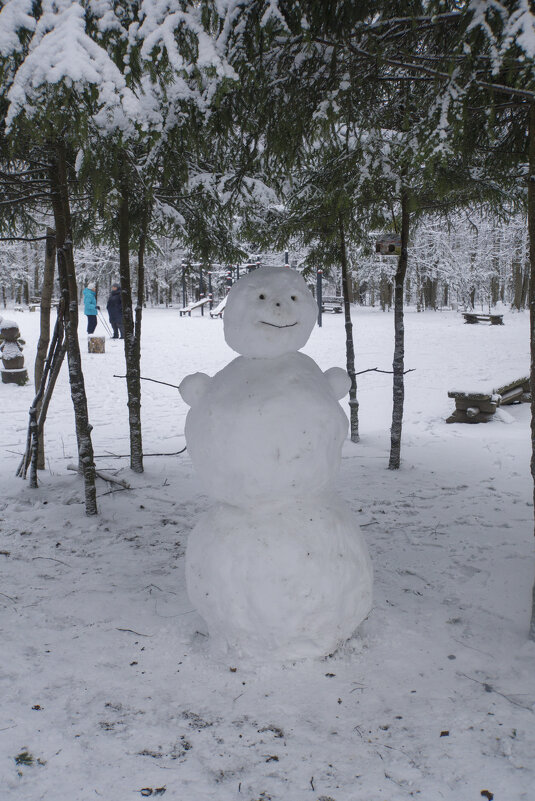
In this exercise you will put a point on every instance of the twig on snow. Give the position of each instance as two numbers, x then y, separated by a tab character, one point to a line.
105	477
127	455
490	689
137	633
51	559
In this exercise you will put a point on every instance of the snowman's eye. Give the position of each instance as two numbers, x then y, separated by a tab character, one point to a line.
294	297
262	297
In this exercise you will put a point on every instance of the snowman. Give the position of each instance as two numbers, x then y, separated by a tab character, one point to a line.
277	567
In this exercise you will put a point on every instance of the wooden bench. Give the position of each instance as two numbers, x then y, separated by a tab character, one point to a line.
479	407
333	305
493	319
219	309
197	305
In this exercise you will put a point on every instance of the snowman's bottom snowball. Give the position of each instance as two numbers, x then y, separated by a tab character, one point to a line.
284	581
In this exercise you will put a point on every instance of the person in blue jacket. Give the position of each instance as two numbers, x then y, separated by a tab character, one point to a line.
115	311
90	307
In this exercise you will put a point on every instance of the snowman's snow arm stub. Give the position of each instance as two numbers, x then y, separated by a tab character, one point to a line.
193	387
339	381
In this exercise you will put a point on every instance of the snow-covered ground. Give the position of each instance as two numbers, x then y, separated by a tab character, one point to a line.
108	685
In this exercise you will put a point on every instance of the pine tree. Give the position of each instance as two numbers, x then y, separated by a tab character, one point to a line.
56	81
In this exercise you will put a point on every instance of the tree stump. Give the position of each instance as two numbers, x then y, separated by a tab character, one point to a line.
96	345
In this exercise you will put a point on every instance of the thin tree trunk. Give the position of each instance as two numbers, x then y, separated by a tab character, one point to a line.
44	334
140	288
51	367
350	348
69	291
131	346
398	365
531	229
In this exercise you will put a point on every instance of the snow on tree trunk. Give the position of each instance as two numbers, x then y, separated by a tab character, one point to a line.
140	290
44	334
350	348
531	227
131	346
67	280
398	365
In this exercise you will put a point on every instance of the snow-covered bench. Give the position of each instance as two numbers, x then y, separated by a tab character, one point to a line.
333	305
197	305
219	309
493	319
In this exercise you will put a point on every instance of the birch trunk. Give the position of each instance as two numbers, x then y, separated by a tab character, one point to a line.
531	229
44	333
131	337
69	291
350	348
398	365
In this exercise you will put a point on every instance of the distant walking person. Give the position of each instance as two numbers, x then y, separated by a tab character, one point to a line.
90	307
115	311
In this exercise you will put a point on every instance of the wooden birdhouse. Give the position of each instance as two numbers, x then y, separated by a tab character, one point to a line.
388	244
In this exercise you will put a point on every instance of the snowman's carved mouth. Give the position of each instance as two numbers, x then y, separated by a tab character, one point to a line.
274	325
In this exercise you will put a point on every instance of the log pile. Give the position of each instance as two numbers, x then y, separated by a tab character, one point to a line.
480	407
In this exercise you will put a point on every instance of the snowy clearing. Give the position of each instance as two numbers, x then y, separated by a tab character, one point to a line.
109	688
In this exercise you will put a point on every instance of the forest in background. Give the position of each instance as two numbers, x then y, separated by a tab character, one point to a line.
469	263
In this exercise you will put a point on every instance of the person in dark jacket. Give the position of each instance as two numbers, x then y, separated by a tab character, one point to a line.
115	311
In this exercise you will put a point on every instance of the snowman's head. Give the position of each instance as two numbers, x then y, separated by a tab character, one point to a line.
269	312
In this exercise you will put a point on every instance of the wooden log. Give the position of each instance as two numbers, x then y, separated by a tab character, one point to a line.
460	416
10	331
19	377
472	396
487	406
96	345
518	382
15	363
511	396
